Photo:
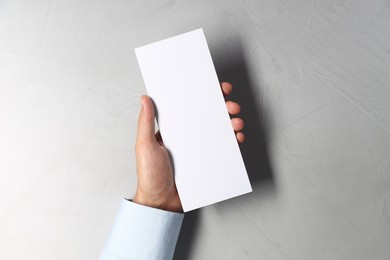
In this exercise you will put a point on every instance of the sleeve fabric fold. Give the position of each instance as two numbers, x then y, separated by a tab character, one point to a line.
142	232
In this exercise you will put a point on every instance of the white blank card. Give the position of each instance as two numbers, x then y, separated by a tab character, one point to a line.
194	123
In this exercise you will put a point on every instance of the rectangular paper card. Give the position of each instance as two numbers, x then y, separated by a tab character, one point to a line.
194	123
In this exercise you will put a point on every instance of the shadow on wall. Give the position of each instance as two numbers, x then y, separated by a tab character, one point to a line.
231	66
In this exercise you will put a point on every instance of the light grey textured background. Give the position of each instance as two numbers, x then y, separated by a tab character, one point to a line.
313	79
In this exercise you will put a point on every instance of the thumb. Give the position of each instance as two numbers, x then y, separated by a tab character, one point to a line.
145	131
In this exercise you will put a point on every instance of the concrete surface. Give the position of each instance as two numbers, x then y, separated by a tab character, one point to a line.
313	79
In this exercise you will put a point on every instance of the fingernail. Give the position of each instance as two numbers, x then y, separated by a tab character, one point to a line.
142	103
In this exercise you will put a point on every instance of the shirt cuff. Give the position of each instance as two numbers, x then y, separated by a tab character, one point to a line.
142	232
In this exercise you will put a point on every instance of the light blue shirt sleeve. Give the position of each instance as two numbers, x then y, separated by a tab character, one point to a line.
142	232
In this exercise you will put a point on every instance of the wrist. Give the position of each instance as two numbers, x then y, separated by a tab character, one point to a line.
139	198
156	202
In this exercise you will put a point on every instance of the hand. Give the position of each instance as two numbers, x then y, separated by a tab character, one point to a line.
156	186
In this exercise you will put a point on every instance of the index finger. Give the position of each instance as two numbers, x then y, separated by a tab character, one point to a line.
227	88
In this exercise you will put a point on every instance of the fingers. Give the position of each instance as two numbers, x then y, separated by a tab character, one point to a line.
237	124
145	131
233	107
227	88
240	137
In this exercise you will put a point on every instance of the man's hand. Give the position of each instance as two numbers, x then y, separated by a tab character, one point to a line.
156	185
